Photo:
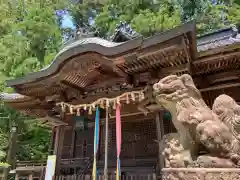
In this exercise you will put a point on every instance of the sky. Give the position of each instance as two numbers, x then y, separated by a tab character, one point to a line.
67	22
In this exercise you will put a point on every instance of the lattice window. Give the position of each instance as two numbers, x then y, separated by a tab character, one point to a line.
168	126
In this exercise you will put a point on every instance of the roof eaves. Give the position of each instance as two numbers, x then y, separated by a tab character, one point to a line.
97	45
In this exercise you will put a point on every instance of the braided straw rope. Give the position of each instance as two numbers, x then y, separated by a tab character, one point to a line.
104	102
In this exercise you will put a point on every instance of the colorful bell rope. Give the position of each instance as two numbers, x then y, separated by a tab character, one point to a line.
96	141
119	140
106	145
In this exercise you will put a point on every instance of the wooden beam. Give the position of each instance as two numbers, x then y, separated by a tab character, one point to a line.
72	86
206	82
137	117
168	48
223	76
110	64
187	52
73	143
174	69
215	58
159	138
55	121
111	94
222	86
106	82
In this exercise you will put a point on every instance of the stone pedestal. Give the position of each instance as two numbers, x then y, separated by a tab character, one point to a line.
201	173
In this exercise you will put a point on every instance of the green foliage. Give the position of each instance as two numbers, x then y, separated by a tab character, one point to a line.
5	165
33	145
82	11
146	17
150	16
29	39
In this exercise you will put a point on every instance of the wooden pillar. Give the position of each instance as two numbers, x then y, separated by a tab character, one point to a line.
11	155
160	133
73	143
51	146
58	145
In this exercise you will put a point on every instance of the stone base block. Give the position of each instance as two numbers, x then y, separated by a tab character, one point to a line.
201	173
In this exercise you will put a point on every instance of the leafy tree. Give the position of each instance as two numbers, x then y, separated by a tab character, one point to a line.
210	15
30	37
146	17
151	16
82	11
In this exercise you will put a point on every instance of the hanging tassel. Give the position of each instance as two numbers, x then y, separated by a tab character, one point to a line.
143	96
90	110
133	96
127	99
102	104
119	140
107	103
118	101
114	104
71	109
85	107
139	96
93	107
78	112
63	107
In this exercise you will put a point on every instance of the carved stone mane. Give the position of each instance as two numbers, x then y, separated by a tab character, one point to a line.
216	130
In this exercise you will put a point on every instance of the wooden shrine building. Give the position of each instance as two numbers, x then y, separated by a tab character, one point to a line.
90	68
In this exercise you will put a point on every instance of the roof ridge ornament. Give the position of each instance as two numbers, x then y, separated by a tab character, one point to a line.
81	33
125	30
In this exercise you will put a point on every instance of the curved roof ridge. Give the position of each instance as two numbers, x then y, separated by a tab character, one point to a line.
91	40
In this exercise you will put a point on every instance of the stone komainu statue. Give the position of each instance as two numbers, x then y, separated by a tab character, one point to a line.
198	127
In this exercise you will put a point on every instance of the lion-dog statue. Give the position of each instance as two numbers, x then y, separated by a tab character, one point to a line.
199	129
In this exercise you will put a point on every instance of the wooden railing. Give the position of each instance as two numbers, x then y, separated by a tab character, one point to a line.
74	161
31	163
89	177
110	177
79	167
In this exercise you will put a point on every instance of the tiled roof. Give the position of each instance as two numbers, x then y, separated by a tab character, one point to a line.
218	39
206	42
